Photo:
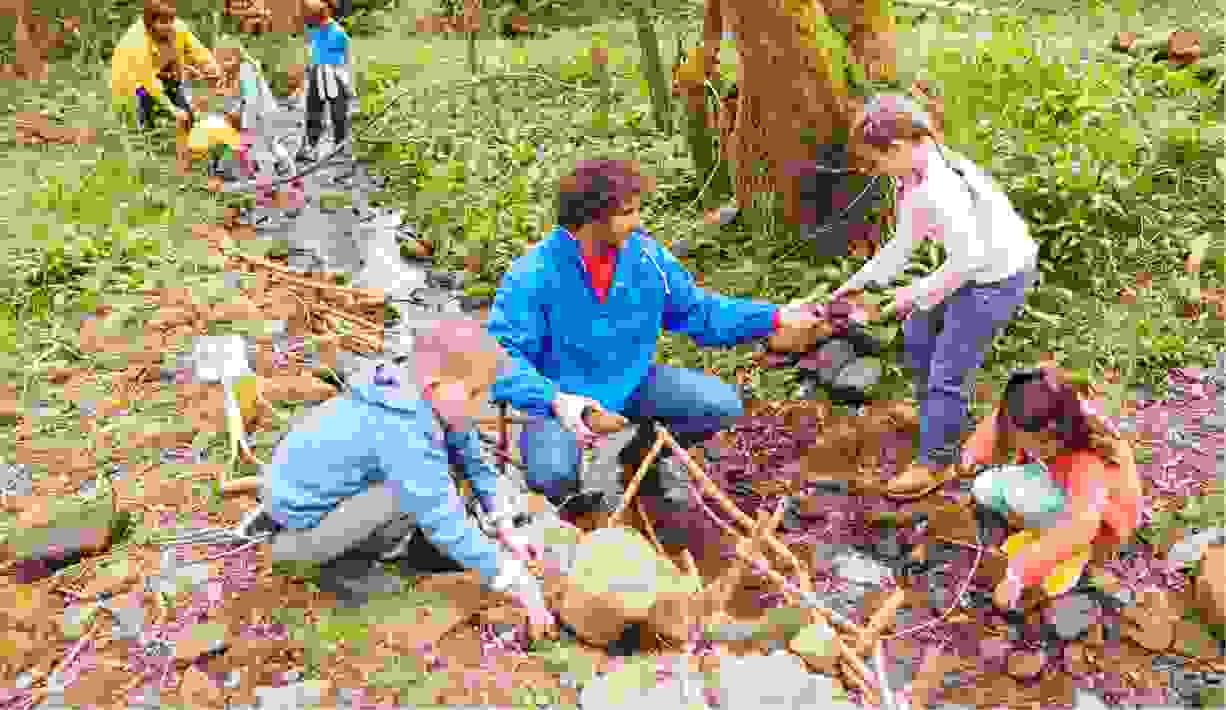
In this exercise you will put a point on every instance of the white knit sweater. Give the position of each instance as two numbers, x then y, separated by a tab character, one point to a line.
985	239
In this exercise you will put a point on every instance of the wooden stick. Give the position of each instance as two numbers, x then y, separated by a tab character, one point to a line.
247	484
719	592
498	420
858	676
633	487
709	487
876	624
688	560
349	317
647	527
287	275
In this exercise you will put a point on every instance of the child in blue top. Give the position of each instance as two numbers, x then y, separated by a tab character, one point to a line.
371	467
329	84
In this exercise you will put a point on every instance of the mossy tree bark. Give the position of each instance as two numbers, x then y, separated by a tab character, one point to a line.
794	93
653	67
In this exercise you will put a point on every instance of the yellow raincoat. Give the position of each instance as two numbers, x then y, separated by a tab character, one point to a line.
136	61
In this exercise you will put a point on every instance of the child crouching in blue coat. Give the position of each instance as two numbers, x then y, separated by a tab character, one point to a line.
370	467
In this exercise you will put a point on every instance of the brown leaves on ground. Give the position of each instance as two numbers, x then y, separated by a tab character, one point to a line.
1151	622
1183	47
37	128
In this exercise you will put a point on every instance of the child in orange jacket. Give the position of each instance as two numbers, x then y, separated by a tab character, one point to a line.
1079	486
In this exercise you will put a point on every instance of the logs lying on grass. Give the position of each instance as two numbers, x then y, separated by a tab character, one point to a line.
36	128
1178	47
353	316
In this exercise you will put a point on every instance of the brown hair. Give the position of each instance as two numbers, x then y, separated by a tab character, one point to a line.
596	189
156	8
1048	399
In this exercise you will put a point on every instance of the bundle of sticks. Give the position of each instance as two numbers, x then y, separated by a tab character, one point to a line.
36	128
754	539
354	317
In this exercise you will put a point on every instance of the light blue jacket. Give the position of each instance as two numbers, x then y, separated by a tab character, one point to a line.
384	432
560	337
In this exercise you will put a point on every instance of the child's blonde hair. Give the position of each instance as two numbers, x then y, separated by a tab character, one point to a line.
881	120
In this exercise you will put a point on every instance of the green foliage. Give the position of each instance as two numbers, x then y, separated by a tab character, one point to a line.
1198	512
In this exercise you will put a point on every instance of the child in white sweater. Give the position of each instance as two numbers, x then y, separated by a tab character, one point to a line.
953	314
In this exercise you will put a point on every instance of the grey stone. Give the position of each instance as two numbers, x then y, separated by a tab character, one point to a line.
24	680
129	622
1071	615
602	694
1083	700
1179	438
290	697
769	681
1189	550
88	488
889	547
1188	684
17	480
232	679
860	569
345	697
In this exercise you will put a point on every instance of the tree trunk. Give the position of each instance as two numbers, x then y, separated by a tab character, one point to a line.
472	25
794	94
653	70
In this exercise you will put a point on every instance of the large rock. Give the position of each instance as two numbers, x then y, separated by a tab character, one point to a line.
1071	615
616	579
1210	591
860	569
779	680
60	527
635	685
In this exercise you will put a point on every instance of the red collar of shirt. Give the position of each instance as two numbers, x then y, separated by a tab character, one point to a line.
601	263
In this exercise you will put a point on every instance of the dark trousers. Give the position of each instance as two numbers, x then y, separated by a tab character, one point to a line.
147	106
316	103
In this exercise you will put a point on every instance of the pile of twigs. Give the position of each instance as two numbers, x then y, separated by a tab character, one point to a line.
354	317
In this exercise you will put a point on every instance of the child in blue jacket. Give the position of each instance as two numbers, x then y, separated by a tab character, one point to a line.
329	80
370	467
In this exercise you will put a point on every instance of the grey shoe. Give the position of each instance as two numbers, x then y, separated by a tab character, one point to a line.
307	154
355	579
668	480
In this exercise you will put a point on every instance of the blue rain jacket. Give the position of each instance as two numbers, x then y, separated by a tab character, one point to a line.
384	432
561	338
329	43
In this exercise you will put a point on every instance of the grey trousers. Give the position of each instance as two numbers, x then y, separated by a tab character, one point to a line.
370	523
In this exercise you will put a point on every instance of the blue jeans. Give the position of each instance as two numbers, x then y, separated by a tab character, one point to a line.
944	346
691	404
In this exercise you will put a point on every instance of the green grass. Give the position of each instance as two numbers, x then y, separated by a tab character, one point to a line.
93	225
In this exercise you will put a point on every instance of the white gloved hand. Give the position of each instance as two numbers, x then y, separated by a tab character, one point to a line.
514	580
569	410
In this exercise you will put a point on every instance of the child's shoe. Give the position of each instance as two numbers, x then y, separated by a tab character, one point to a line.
307	154
918	480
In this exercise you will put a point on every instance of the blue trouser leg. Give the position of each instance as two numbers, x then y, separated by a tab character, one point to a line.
943	362
550	456
691	404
